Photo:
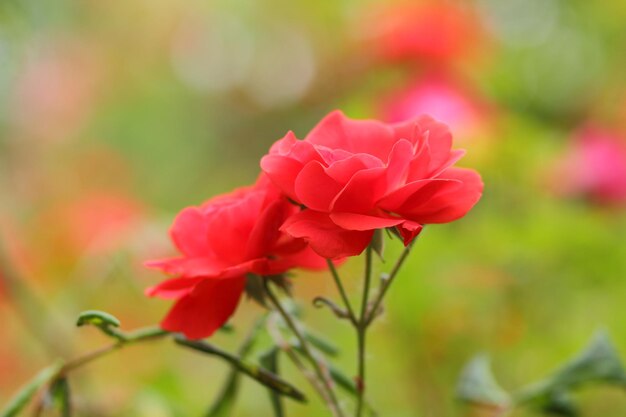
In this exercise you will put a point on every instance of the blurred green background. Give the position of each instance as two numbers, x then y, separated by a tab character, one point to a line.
115	115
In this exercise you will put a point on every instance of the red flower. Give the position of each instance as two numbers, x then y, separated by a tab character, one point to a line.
220	242
355	176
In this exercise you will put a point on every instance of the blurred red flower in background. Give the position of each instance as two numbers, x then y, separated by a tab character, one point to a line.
594	166
356	176
221	242
440	97
432	32
98	222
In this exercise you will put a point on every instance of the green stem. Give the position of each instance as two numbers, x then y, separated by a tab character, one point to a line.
361	329
32	309
332	403
147	333
255	372
61	368
342	291
384	288
286	347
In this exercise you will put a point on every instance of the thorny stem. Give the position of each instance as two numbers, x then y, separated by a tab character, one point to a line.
342	291
332	402
361	329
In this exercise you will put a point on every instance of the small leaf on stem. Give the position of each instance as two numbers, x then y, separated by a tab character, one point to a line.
477	384
254	289
269	360
106	322
560	403
599	362
321	343
378	243
97	318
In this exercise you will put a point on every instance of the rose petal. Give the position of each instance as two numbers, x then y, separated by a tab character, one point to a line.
204	310
315	188
341	171
336	131
265	232
173	288
190	267
352	221
285	160
325	237
450	201
202	267
361	192
395	200
409	230
398	163
190	233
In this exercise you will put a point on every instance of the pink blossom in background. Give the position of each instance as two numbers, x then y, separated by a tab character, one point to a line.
429	32
56	88
443	99
594	166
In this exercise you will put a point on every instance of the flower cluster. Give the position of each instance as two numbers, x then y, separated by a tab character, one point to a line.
320	197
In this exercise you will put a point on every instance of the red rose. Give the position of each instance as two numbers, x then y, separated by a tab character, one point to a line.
355	176
220	242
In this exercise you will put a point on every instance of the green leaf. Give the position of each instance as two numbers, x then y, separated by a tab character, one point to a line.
477	384
282	281
255	372
223	406
560	403
378	243
60	395
599	362
321	343
342	380
21	399
225	400
255	289
269	360
106	322
97	318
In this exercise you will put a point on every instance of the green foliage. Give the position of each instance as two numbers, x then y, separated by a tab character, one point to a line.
477	385
261	375
598	363
20	400
60	396
225	399
269	360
